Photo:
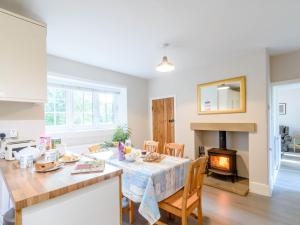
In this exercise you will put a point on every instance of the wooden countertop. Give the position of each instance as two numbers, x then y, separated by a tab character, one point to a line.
27	187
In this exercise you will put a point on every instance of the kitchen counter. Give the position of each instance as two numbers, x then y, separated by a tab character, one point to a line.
28	188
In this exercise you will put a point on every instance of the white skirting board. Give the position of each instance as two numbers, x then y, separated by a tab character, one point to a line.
260	189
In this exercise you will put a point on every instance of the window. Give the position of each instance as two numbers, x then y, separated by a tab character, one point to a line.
56	107
84	106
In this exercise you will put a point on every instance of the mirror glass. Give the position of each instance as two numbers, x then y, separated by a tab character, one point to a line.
224	96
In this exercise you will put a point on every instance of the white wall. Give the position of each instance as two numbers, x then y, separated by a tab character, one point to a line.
285	67
290	96
28	118
137	101
182	84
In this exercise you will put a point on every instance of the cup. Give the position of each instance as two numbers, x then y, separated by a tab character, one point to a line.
26	161
42	148
29	161
61	148
51	155
55	142
144	152
128	149
23	161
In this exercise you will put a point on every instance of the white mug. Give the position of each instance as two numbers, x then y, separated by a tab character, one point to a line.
26	161
51	155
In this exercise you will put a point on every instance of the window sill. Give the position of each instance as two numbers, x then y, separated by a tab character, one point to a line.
81	137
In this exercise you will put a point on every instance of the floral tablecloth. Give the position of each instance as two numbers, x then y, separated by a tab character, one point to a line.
150	183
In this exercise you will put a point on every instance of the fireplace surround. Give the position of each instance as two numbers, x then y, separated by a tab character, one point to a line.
207	136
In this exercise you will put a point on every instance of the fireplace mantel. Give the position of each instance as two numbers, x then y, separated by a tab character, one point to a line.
238	127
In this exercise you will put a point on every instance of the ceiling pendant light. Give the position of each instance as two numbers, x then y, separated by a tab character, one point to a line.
165	65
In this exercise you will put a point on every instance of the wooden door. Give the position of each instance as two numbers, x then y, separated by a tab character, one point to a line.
163	123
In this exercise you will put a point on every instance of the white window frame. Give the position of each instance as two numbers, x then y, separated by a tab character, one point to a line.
70	82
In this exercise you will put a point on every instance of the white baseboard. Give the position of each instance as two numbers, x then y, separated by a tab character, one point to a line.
274	177
260	189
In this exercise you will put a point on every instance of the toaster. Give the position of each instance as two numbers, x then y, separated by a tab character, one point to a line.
16	146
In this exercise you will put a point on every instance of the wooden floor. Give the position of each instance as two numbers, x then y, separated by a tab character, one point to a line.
224	208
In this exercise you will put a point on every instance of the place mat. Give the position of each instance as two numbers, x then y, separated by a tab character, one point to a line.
95	166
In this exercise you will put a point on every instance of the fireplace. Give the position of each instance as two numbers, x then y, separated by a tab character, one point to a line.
222	160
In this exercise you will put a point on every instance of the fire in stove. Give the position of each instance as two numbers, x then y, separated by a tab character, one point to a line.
220	162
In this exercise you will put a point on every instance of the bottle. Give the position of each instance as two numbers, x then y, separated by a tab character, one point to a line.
128	146
121	154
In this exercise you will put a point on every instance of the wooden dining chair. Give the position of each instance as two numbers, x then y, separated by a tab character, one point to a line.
129	208
174	149
151	146
183	202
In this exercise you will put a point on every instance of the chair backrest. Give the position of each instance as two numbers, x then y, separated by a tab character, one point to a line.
194	179
174	149
151	146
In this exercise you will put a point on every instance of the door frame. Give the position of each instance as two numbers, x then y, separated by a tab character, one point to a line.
274	157
150	114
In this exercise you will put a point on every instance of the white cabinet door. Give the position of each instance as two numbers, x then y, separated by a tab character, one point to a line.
22	60
5	202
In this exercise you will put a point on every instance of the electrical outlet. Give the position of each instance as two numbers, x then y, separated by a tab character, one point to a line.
13	134
10	133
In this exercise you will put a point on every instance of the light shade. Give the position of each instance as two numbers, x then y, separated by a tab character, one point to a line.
223	87
165	65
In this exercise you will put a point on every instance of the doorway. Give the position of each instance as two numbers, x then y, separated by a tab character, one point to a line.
163	122
286	128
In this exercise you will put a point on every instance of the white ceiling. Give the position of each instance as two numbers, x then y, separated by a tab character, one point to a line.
126	35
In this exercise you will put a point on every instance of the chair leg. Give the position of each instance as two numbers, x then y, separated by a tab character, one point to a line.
184	220
199	212
171	216
131	212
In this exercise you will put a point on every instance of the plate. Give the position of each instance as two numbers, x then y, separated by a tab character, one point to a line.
130	160
49	170
71	161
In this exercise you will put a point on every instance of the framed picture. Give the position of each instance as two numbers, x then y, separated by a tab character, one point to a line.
282	108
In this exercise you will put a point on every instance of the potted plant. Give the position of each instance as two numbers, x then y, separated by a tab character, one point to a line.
122	133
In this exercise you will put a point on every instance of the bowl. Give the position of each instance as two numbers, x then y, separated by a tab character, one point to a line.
130	157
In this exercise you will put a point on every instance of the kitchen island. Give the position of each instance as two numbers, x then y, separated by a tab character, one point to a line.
58	197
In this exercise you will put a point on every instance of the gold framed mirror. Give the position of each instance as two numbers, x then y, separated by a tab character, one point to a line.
223	96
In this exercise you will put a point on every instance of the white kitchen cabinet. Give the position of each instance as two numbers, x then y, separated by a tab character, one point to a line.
23	69
5	202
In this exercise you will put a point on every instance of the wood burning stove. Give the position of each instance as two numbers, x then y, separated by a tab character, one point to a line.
222	160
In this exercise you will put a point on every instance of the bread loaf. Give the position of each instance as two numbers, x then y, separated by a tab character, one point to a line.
42	165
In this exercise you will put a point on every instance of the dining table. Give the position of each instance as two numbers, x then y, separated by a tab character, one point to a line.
148	183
